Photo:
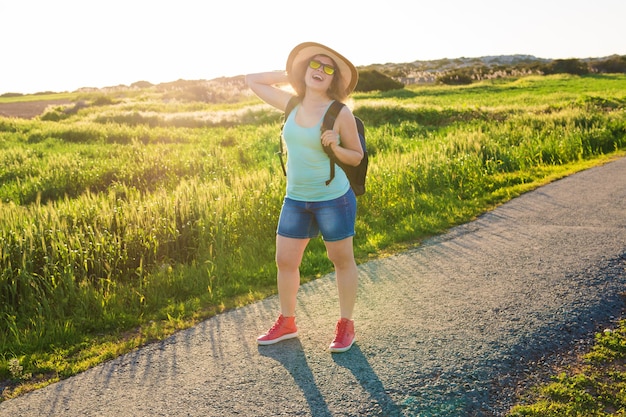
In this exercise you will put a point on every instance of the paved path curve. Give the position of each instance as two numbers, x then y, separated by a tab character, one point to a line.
446	329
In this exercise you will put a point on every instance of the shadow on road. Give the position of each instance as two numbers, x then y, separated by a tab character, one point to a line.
290	354
355	361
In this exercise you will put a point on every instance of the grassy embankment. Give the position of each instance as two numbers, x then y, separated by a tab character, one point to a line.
594	386
132	216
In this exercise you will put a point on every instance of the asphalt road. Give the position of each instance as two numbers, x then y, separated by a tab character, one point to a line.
448	329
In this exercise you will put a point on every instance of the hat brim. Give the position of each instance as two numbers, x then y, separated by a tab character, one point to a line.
307	50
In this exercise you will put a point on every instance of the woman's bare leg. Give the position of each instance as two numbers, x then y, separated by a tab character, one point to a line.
289	254
341	254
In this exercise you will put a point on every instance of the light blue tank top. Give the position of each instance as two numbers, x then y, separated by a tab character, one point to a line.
308	166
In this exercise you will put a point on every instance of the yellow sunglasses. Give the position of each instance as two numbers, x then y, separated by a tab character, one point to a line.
328	69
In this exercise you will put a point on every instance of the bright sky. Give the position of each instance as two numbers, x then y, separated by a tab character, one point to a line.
63	45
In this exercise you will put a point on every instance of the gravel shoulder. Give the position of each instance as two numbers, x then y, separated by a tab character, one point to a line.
451	328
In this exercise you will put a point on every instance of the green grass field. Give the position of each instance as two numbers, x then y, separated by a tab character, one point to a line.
136	214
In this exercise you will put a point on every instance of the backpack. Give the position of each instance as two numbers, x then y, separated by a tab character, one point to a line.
356	174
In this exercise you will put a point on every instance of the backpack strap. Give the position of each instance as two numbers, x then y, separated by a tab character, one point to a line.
328	124
291	104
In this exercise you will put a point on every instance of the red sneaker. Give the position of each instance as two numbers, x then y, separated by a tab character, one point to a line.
284	328
344	336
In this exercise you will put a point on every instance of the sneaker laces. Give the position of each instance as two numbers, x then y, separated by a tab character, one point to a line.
280	323
277	325
340	330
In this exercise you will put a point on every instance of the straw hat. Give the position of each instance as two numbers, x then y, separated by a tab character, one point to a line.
307	50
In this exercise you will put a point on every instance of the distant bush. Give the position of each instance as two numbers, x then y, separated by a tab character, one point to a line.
63	112
457	77
566	66
612	65
142	84
54	115
376	81
103	100
12	95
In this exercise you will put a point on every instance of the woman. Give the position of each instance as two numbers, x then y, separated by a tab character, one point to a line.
319	76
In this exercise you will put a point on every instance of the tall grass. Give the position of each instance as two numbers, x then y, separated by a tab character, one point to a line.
108	223
101	261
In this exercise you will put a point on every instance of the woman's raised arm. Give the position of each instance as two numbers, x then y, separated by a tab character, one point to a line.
266	86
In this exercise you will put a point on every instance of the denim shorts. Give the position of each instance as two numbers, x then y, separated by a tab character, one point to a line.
305	220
